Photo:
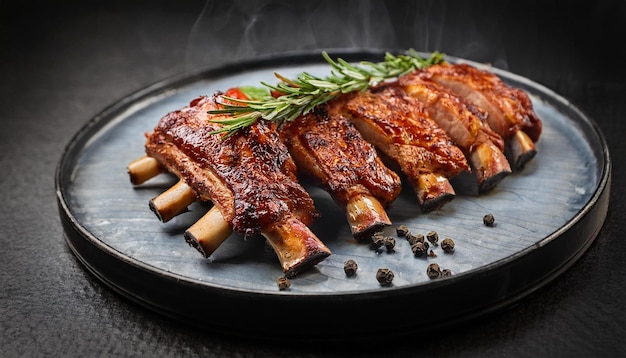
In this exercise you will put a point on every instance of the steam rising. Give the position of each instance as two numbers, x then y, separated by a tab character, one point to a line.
243	29
230	30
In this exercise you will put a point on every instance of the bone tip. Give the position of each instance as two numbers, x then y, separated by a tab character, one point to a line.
490	183
134	179
523	159
366	234
437	202
155	210
193	242
309	262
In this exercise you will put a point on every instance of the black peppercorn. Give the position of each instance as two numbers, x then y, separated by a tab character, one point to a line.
283	283
446	273
350	267
433	271
412	238
389	243
431	253
447	245
378	240
489	220
384	276
433	237
377	235
402	230
418	249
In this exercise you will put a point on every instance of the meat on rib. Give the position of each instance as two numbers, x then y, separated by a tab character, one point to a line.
249	176
465	124
328	148
510	109
404	131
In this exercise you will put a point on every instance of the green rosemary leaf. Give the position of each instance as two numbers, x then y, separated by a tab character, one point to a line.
322	84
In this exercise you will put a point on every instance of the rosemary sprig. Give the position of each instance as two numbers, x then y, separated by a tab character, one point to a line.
301	95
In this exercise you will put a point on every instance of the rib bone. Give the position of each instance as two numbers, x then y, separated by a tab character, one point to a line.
365	215
295	245
209	232
142	169
172	202
521	148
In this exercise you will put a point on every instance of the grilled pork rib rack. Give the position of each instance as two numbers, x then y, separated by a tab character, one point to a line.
432	125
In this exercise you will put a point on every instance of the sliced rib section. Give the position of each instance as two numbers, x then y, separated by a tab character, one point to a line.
402	129
328	148
465	124
510	110
249	177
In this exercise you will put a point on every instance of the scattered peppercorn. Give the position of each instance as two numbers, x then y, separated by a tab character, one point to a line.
431	253
433	271
489	220
418	249
447	245
377	235
283	283
378	240
412	238
384	276
350	267
389	243
446	273
402	230
433	237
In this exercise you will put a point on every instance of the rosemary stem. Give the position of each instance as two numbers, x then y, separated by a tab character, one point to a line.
295	97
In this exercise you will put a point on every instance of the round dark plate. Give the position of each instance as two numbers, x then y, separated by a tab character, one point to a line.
546	217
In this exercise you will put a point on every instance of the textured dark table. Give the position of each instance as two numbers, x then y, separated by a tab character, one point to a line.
62	64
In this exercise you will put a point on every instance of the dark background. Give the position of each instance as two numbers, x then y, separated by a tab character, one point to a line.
61	63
